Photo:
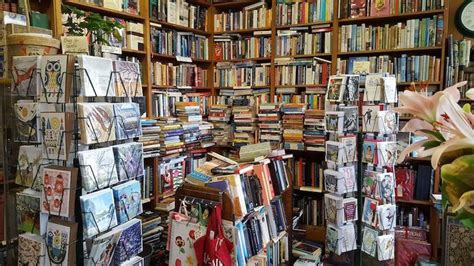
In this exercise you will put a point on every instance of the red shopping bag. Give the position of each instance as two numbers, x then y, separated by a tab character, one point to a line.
213	249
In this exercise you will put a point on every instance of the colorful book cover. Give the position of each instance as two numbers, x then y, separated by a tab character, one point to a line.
30	160
386	247
55	83
129	160
59	240
95	76
29	216
127	79
127	117
380	8
56	129
369	241
25	76
27	122
130	242
98	212
97	168
103	248
369	215
31	249
59	190
96	122
128	200
387	215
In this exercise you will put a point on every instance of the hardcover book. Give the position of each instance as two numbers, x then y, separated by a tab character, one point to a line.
59	190
128	82
57	135
129	160
128	200
31	249
103	248
97	168
55	86
27	122
369	241
130	242
127	116
387	216
369	215
95	76
96	122
25	76
386	247
336	88
30	160
29	216
98	212
60	242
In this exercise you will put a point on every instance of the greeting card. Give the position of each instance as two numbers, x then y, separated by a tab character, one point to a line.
340	239
103	248
130	242
405	179
370	184
56	79
369	152
134	261
369	241
334	152
25	76
31	250
386	187
56	129
27	122
336	88
387	216
129	160
387	122
95	76
386	247
96	122
334	181
333	204
350	209
127	79
349	148
370	118
334	122
59	190
387	153
373	88
97	168
60	238
127	117
98	212
352	88
29	216
30	160
128	200
390	89
369	215
351	118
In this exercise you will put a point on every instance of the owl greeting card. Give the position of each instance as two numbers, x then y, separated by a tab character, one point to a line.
55	78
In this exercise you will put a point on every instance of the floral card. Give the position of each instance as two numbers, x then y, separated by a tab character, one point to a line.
59	240
59	190
31	249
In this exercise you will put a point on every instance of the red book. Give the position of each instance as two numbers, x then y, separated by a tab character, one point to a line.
218	52
380	8
405	183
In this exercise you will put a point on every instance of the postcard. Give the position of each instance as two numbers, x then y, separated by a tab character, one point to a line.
334	122
95	76
369	152
128	200
31	249
57	135
103	248
130	242
386	247
336	88
25	75
59	190
56	79
98	212
98	168
387	215
96	122
60	242
27	121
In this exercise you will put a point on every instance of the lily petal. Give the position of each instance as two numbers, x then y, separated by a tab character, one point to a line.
450	145
411	148
415	125
470	94
453	91
449	111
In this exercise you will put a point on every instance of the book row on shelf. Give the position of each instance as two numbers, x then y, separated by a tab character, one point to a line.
301	71
458	61
179	75
414	33
241	74
179	13
298	41
291	13
174	43
253	16
232	47
372	8
132	7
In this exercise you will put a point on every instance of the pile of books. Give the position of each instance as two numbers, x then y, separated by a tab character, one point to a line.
307	252
171	133
206	139
220	116
293	124
152	229
150	138
314	134
269	125
245	123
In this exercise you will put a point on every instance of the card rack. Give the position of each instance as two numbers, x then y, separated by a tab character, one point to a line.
379	149
343	136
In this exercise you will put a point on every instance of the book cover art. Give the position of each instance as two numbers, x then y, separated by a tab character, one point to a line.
98	212
349	178
130	242
127	117
370	118
59	242
405	181
349	148
387	216
96	122
95	76
30	160
386	247
369	152
352	88
29	216
336	88
31	249
350	209
369	215
390	89
370	184
386	187
358	8
351	118
97	168
128	200
380	8
25	76
128	82
387	153
369	241
334	152
55	84
373	88
59	190
56	128
129	160
27	122
103	248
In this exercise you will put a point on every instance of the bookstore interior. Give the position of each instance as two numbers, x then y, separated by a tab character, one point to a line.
238	132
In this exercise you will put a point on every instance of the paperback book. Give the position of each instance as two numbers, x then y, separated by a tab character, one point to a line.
128	200
96	122
98	212
59	190
97	168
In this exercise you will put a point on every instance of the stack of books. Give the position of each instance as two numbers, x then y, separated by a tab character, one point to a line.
219	116
314	134
206	138
245	122
269	125
315	97
308	252
150	138
190	117
171	133
293	123
152	229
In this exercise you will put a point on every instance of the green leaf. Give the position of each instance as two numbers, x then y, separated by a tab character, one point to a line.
435	134
467	108
431	144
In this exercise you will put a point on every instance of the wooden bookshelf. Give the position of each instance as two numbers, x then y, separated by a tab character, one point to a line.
391	18
393	51
105	11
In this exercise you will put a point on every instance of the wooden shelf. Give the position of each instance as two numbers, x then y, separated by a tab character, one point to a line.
415	202
234	4
172	26
104	11
418	83
303	55
280	27
173	58
398	17
176	87
256	59
199	3
301	86
243	31
132	51
393	51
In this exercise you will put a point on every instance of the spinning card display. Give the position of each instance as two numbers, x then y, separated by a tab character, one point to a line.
27	122
56	78
30	159
387	122
29	216
369	186
57	135
59	190
334	152
96	76
128	200
349	148
386	247
31	249
334	122
127	117
334	181
96	122
369	215
352	88
387	216
387	153
60	247
103	248
24	74
336	88
373	88
351	119
386	187
98	212
129	160
97	168
333	204
341	239
349	176
369	152
369	241
390	89
130	242
370	118
127	79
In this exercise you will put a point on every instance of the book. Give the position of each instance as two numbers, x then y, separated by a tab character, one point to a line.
386	247
103	248
254	16
28	211
129	160
369	215
30	160
31	249
56	129
130	242
379	8
26	81
290	13
98	168
59	190
95	76
387	216
127	124
60	242
128	82
97	122
128	202
55	86
98	212
369	241
27	123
